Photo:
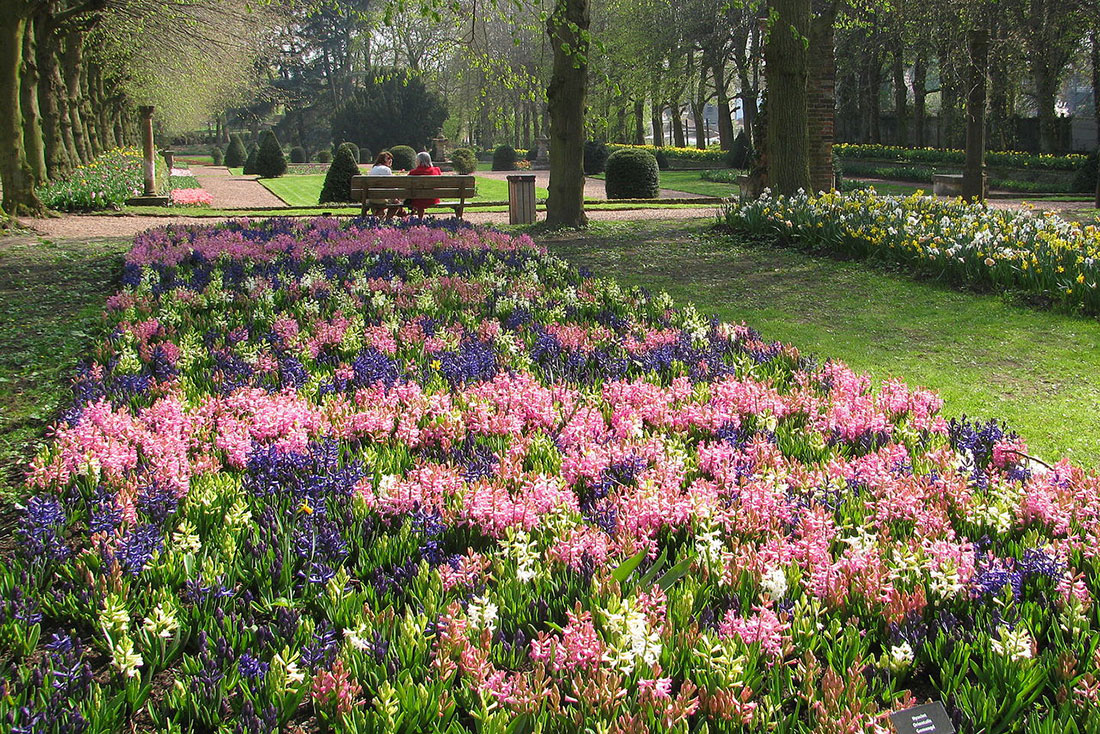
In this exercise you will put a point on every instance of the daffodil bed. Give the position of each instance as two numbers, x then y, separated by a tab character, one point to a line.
1043	255
428	478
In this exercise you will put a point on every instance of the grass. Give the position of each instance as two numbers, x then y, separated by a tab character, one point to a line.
304	190
988	358
51	298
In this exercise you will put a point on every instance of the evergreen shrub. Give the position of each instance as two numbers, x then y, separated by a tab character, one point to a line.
298	155
632	174
595	157
324	156
504	158
250	161
235	154
337	187
270	161
464	161
217	155
404	158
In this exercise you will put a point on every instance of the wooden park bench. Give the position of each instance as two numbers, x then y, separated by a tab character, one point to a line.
400	188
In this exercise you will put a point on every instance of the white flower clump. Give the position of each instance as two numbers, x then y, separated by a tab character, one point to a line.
774	583
898	658
482	614
1016	644
519	547
634	641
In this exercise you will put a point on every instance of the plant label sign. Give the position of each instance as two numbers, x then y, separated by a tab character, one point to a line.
930	718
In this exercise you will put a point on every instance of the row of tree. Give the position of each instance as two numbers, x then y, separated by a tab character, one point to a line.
73	72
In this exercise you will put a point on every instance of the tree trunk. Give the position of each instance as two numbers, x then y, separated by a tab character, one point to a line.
973	185
28	98
71	61
786	72
639	122
657	124
901	108
874	98
51	91
920	92
725	122
698	105
678	138
568	31
15	173
1046	95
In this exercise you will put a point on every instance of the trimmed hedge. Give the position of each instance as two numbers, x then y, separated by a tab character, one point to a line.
324	156
1012	159
404	157
685	154
217	156
353	148
298	155
504	158
464	161
632	174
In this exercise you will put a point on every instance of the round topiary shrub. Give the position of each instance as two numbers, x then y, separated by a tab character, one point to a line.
464	161
504	158
662	160
354	151
217	155
250	161
235	154
337	185
270	161
632	174
404	158
298	154
324	156
532	154
595	158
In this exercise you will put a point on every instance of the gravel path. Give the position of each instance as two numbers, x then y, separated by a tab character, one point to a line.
234	192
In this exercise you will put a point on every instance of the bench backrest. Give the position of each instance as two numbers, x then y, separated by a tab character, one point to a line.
413	187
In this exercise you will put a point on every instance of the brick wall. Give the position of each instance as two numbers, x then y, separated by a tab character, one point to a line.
822	106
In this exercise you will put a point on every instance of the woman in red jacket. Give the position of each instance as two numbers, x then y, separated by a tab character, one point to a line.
424	167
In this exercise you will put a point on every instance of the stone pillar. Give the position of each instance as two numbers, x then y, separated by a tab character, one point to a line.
439	149
821	98
542	160
147	150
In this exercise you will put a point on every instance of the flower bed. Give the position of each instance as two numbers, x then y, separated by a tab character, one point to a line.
428	478
966	243
687	154
105	183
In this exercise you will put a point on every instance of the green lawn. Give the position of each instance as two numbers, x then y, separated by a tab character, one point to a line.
51	298
304	190
988	358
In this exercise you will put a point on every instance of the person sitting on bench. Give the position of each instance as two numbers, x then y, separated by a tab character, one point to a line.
424	167
387	208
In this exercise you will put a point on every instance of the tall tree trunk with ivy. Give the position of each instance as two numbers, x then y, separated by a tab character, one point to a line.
973	184
15	172
567	27
28	98
787	74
